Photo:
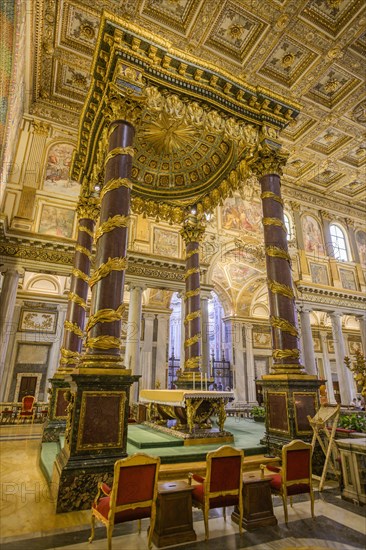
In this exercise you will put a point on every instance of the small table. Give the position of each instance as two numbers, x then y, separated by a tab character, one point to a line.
257	503
174	523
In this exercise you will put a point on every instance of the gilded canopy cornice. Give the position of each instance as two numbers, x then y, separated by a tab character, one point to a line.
197	126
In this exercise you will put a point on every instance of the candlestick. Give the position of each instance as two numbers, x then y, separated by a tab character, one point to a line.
206	381
201	381
194	381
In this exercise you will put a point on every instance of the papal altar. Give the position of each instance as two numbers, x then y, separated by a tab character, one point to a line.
188	414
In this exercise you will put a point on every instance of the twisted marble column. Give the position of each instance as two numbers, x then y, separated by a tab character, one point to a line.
87	211
192	234
107	281
283	318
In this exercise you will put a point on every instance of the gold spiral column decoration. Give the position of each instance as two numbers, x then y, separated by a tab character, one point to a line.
283	317
74	326
192	233
107	282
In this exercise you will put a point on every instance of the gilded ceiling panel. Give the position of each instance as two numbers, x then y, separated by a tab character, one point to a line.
288	62
331	15
79	29
326	178
235	32
356	156
332	87
176	13
329	141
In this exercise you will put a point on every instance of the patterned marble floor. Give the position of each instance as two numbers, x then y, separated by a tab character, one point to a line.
28	520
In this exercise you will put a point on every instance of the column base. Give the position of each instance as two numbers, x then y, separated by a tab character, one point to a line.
288	400
95	436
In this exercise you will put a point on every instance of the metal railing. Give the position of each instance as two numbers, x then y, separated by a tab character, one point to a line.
10	413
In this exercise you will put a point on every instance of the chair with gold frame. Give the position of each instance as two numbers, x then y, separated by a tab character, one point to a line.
132	496
222	485
295	475
27	410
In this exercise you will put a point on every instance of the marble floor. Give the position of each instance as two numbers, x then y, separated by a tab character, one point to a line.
28	521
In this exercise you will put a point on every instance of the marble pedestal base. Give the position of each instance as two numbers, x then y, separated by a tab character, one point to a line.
288	400
57	410
95	436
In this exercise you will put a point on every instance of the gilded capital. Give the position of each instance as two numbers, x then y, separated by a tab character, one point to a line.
126	108
88	207
270	159
326	215
40	128
192	231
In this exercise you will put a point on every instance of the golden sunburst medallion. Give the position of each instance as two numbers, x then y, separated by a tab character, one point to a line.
168	135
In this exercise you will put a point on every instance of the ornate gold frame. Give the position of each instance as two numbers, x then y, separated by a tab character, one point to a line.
90	446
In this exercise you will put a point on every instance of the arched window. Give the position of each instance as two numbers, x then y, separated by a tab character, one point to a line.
339	243
288	227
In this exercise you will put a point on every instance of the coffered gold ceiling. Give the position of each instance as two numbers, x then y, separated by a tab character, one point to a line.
309	51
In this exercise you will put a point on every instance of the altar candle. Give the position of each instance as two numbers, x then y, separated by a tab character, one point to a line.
201	381
206	381
194	381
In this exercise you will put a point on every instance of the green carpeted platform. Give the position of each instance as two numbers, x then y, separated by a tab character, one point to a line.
143	437
247	435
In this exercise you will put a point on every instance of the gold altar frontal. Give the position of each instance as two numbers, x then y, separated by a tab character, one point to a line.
186	414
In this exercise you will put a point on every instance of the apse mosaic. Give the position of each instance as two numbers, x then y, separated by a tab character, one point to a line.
313	240
57	171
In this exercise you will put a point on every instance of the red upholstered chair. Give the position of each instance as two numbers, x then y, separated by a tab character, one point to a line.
27	410
132	496
295	475
222	485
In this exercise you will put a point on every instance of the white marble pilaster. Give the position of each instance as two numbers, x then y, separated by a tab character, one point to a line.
56	345
307	341
146	354
7	305
182	331
346	386
161	349
132	355
252	396
327	369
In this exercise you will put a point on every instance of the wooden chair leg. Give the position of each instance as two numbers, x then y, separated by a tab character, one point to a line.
139	526
312	503
151	529
109	536
92	534
241	510
284	501
291	502
224	513
205	517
